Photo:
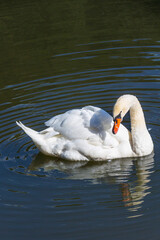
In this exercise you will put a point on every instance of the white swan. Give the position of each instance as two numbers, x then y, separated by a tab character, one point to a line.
91	133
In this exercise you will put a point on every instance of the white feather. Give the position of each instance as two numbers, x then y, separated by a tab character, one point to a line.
84	134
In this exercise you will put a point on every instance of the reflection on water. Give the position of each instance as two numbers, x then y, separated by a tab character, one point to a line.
132	175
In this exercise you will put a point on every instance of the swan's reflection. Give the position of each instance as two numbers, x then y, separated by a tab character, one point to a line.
133	175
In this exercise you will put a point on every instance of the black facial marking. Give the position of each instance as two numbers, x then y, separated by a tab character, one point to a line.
118	116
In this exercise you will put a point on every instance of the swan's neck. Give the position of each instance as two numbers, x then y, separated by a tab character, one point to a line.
141	139
137	117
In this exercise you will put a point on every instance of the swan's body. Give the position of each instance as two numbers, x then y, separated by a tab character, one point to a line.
87	133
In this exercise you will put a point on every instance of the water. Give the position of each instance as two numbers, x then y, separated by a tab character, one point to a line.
56	56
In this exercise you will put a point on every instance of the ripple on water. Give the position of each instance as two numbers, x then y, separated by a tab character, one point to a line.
75	189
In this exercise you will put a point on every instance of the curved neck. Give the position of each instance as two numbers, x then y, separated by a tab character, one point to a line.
141	140
137	117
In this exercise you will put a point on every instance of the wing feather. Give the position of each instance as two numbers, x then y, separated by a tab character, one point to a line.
86	123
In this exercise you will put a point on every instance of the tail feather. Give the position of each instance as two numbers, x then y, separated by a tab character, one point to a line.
30	132
38	138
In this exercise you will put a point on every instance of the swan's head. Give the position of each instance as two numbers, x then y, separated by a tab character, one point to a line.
120	109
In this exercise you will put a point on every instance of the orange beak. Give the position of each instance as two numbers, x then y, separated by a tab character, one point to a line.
117	122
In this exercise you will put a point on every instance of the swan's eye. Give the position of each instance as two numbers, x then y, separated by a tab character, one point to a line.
119	116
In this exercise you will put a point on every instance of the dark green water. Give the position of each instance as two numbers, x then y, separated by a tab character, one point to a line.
58	55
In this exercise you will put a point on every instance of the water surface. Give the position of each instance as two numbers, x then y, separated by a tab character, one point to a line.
56	56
